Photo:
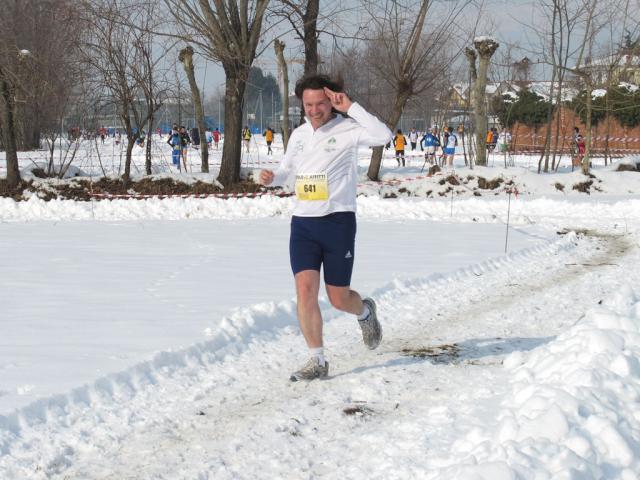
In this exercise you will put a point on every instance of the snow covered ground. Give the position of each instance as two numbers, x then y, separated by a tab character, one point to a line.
154	339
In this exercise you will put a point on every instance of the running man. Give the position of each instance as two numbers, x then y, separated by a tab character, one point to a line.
185	140
246	137
413	138
580	147
400	141
176	147
450	146
321	161
268	136
428	144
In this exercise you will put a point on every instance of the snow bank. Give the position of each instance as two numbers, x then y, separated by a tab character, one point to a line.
234	335
573	407
466	210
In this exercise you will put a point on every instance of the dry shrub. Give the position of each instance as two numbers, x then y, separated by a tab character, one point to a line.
626	167
583	187
434	169
485	184
453	180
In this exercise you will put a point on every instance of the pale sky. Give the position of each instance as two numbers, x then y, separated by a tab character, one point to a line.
506	20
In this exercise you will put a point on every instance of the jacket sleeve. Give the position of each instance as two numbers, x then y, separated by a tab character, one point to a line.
373	133
284	170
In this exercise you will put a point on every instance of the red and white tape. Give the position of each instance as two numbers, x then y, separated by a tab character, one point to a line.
142	196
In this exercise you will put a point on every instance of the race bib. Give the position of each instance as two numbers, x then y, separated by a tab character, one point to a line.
312	186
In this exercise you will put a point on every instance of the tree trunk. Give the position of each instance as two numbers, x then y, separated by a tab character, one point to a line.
376	156
131	141
587	138
473	77
376	163
231	152
310	19
480	109
282	63
9	134
147	146
186	57
485	47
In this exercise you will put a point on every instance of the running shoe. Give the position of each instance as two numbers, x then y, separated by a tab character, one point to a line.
371	329
311	370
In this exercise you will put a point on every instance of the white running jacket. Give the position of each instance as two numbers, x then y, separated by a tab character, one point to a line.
331	150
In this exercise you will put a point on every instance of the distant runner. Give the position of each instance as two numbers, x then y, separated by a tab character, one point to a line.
216	137
413	138
246	137
321	160
428	144
450	146
400	141
268	136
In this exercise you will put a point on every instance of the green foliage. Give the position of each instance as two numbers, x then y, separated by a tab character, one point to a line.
501	108
625	105
619	101
529	109
598	107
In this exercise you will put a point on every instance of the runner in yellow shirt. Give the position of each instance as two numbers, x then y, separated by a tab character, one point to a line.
400	141
268	136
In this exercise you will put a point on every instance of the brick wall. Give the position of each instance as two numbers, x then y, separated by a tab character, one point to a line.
621	138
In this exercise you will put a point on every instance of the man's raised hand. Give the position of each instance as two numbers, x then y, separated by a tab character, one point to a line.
339	100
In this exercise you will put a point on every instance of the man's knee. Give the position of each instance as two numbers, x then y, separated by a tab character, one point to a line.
339	297
307	287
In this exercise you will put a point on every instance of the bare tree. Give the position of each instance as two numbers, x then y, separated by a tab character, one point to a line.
119	53
229	33
404	59
570	43
186	58
35	79
7	92
485	47
282	65
302	15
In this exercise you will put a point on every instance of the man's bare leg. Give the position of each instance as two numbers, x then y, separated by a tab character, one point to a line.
309	317
345	299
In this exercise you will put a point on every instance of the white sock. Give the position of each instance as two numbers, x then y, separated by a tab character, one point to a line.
365	312
318	353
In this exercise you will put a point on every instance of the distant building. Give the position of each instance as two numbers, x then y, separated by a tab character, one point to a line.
620	66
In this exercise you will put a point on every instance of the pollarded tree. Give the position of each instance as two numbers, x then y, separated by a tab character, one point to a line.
186	58
485	47
284	71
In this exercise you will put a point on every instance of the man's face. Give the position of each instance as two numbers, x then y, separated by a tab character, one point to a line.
317	107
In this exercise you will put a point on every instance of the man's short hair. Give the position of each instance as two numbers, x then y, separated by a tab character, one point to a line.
318	82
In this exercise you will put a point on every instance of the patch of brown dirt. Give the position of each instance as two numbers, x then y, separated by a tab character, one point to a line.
583	187
485	184
626	167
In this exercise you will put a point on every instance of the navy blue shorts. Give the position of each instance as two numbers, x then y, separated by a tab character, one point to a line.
328	241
